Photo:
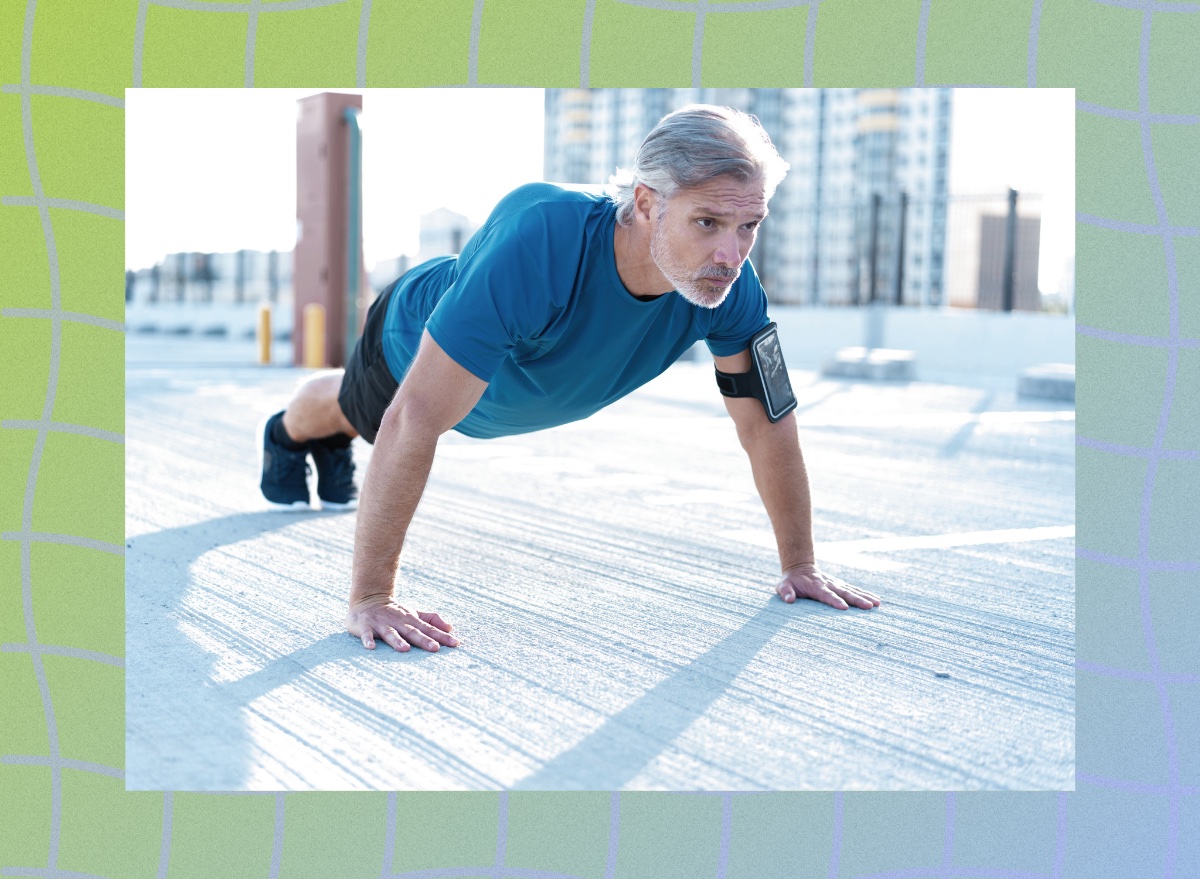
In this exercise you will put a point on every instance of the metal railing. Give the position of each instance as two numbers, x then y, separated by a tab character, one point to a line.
968	250
978	251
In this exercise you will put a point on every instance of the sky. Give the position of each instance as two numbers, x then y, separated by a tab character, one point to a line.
214	170
1023	138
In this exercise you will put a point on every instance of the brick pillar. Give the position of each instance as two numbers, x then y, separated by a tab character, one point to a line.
319	271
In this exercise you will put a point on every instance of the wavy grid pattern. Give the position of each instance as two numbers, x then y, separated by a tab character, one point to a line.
48	788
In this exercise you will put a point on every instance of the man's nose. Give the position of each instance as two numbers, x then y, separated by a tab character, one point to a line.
728	252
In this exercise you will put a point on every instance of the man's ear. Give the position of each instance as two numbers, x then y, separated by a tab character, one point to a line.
645	202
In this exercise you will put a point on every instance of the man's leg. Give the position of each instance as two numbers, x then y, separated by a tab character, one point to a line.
312	424
314	412
320	421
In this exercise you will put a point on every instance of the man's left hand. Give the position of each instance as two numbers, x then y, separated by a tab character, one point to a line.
806	581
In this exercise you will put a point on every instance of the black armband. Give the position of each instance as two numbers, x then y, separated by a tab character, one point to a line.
767	379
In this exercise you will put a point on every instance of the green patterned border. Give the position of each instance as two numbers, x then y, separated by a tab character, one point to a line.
64	65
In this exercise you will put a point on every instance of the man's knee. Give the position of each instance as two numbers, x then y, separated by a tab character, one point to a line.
325	384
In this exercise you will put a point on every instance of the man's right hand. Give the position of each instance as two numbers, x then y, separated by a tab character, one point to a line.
436	394
398	626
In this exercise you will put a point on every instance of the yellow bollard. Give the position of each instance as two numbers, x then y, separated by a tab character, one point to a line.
314	336
264	334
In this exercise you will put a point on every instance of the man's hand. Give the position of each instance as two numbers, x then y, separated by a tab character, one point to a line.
806	581
398	626
435	395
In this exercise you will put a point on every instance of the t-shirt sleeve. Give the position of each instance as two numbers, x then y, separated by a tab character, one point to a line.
740	316
499	299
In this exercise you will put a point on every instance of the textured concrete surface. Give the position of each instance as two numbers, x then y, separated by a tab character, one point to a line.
612	583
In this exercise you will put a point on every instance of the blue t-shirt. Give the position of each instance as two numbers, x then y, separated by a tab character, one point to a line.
534	306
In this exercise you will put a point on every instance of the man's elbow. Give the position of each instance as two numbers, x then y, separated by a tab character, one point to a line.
410	418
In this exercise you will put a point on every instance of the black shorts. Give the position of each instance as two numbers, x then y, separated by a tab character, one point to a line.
368	386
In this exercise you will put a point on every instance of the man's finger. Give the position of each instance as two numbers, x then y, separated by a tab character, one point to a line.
786	592
435	620
858	597
850	596
437	634
394	638
367	640
828	596
417	638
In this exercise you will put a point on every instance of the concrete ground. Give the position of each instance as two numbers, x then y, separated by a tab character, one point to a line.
612	584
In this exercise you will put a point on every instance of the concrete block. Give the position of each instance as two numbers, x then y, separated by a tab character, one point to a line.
1051	381
878	364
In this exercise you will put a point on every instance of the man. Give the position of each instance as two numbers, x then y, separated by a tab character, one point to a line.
561	304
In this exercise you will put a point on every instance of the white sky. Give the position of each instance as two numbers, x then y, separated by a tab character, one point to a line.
1023	138
214	170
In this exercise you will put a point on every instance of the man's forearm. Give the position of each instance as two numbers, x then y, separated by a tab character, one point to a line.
782	483
391	491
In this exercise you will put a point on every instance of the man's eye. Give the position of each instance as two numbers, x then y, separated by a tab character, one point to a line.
705	222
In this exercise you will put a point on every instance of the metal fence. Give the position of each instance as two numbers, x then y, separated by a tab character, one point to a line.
978	251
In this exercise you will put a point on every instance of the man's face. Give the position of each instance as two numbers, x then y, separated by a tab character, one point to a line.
702	235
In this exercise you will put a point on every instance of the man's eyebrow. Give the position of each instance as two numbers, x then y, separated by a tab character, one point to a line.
709	211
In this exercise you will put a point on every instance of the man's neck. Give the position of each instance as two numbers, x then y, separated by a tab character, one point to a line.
636	269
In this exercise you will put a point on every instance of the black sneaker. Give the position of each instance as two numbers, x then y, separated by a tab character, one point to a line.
335	476
284	471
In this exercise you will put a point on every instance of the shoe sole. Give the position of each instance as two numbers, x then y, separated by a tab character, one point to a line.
294	506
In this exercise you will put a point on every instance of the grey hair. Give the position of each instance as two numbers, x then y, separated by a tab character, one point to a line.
693	145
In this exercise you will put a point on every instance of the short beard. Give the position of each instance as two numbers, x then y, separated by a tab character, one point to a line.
692	287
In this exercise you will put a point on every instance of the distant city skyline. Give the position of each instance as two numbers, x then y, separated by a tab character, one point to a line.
213	170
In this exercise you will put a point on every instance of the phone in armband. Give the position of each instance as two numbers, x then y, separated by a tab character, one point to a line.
767	380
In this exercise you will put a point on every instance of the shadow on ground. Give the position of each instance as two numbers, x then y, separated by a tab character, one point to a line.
222	745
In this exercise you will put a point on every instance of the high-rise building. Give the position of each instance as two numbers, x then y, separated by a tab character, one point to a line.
867	166
590	132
